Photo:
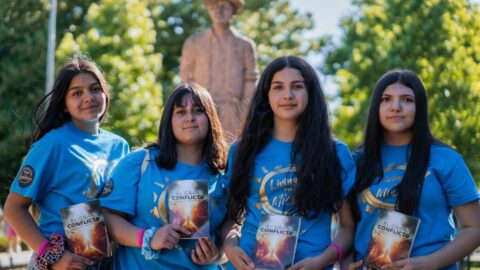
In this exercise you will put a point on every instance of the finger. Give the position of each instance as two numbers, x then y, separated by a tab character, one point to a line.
182	229
295	267
205	248
355	265
166	243
81	260
200	253
76	265
211	246
174	235
195	258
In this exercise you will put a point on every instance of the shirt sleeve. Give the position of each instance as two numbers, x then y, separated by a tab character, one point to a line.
348	168
37	173
458	184
121	190
227	177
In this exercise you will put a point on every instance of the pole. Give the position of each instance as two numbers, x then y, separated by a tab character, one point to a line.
52	25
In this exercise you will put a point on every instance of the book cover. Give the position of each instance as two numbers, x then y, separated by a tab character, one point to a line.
392	238
276	241
86	231
188	206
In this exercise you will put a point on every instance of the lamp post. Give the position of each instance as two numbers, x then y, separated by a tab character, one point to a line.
52	29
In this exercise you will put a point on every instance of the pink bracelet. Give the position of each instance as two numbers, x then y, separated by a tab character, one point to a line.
42	247
338	249
140	237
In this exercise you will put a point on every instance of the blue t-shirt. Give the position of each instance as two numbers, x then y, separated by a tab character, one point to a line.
65	167
448	183
143	197
271	189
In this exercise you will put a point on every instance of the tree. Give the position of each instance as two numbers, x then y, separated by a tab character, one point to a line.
22	79
176	20
436	39
23	43
119	36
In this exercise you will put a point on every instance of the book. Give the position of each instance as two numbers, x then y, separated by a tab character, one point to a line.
188	206
392	238
85	230
276	241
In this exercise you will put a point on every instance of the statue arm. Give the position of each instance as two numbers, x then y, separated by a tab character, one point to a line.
251	73
187	61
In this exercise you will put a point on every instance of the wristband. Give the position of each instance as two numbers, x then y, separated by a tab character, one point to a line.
42	247
52	252
140	237
338	249
147	251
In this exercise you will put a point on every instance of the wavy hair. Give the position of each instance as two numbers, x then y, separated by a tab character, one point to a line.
319	184
51	111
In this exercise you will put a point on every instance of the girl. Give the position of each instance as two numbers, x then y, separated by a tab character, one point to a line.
286	163
68	163
190	147
402	167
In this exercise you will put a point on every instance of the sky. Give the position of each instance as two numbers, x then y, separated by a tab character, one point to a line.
326	15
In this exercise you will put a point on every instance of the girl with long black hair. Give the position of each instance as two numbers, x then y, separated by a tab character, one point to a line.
402	167
287	163
190	146
68	163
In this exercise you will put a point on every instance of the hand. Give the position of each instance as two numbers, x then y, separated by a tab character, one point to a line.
71	261
167	236
308	263
205	252
355	265
238	257
413	263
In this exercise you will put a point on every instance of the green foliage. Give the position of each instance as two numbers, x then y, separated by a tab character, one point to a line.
436	39
136	43
119	36
273	25
22	79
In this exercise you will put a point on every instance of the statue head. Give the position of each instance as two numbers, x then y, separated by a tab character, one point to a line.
236	4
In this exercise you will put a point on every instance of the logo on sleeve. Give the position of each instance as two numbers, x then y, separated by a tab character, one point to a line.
25	178
107	189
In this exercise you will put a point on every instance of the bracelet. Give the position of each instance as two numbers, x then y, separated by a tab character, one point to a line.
42	247
140	237
52	252
338	249
147	251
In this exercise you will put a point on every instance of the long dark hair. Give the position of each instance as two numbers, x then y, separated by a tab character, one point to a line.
369	164
51	111
214	148
319	184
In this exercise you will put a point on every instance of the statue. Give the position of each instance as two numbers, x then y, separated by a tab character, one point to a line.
224	62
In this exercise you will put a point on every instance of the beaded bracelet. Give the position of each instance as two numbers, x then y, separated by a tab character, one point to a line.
338	249
147	251
52	252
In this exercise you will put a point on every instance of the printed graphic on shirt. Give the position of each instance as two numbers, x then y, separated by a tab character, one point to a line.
26	176
159	209
108	188
384	195
277	189
99	168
